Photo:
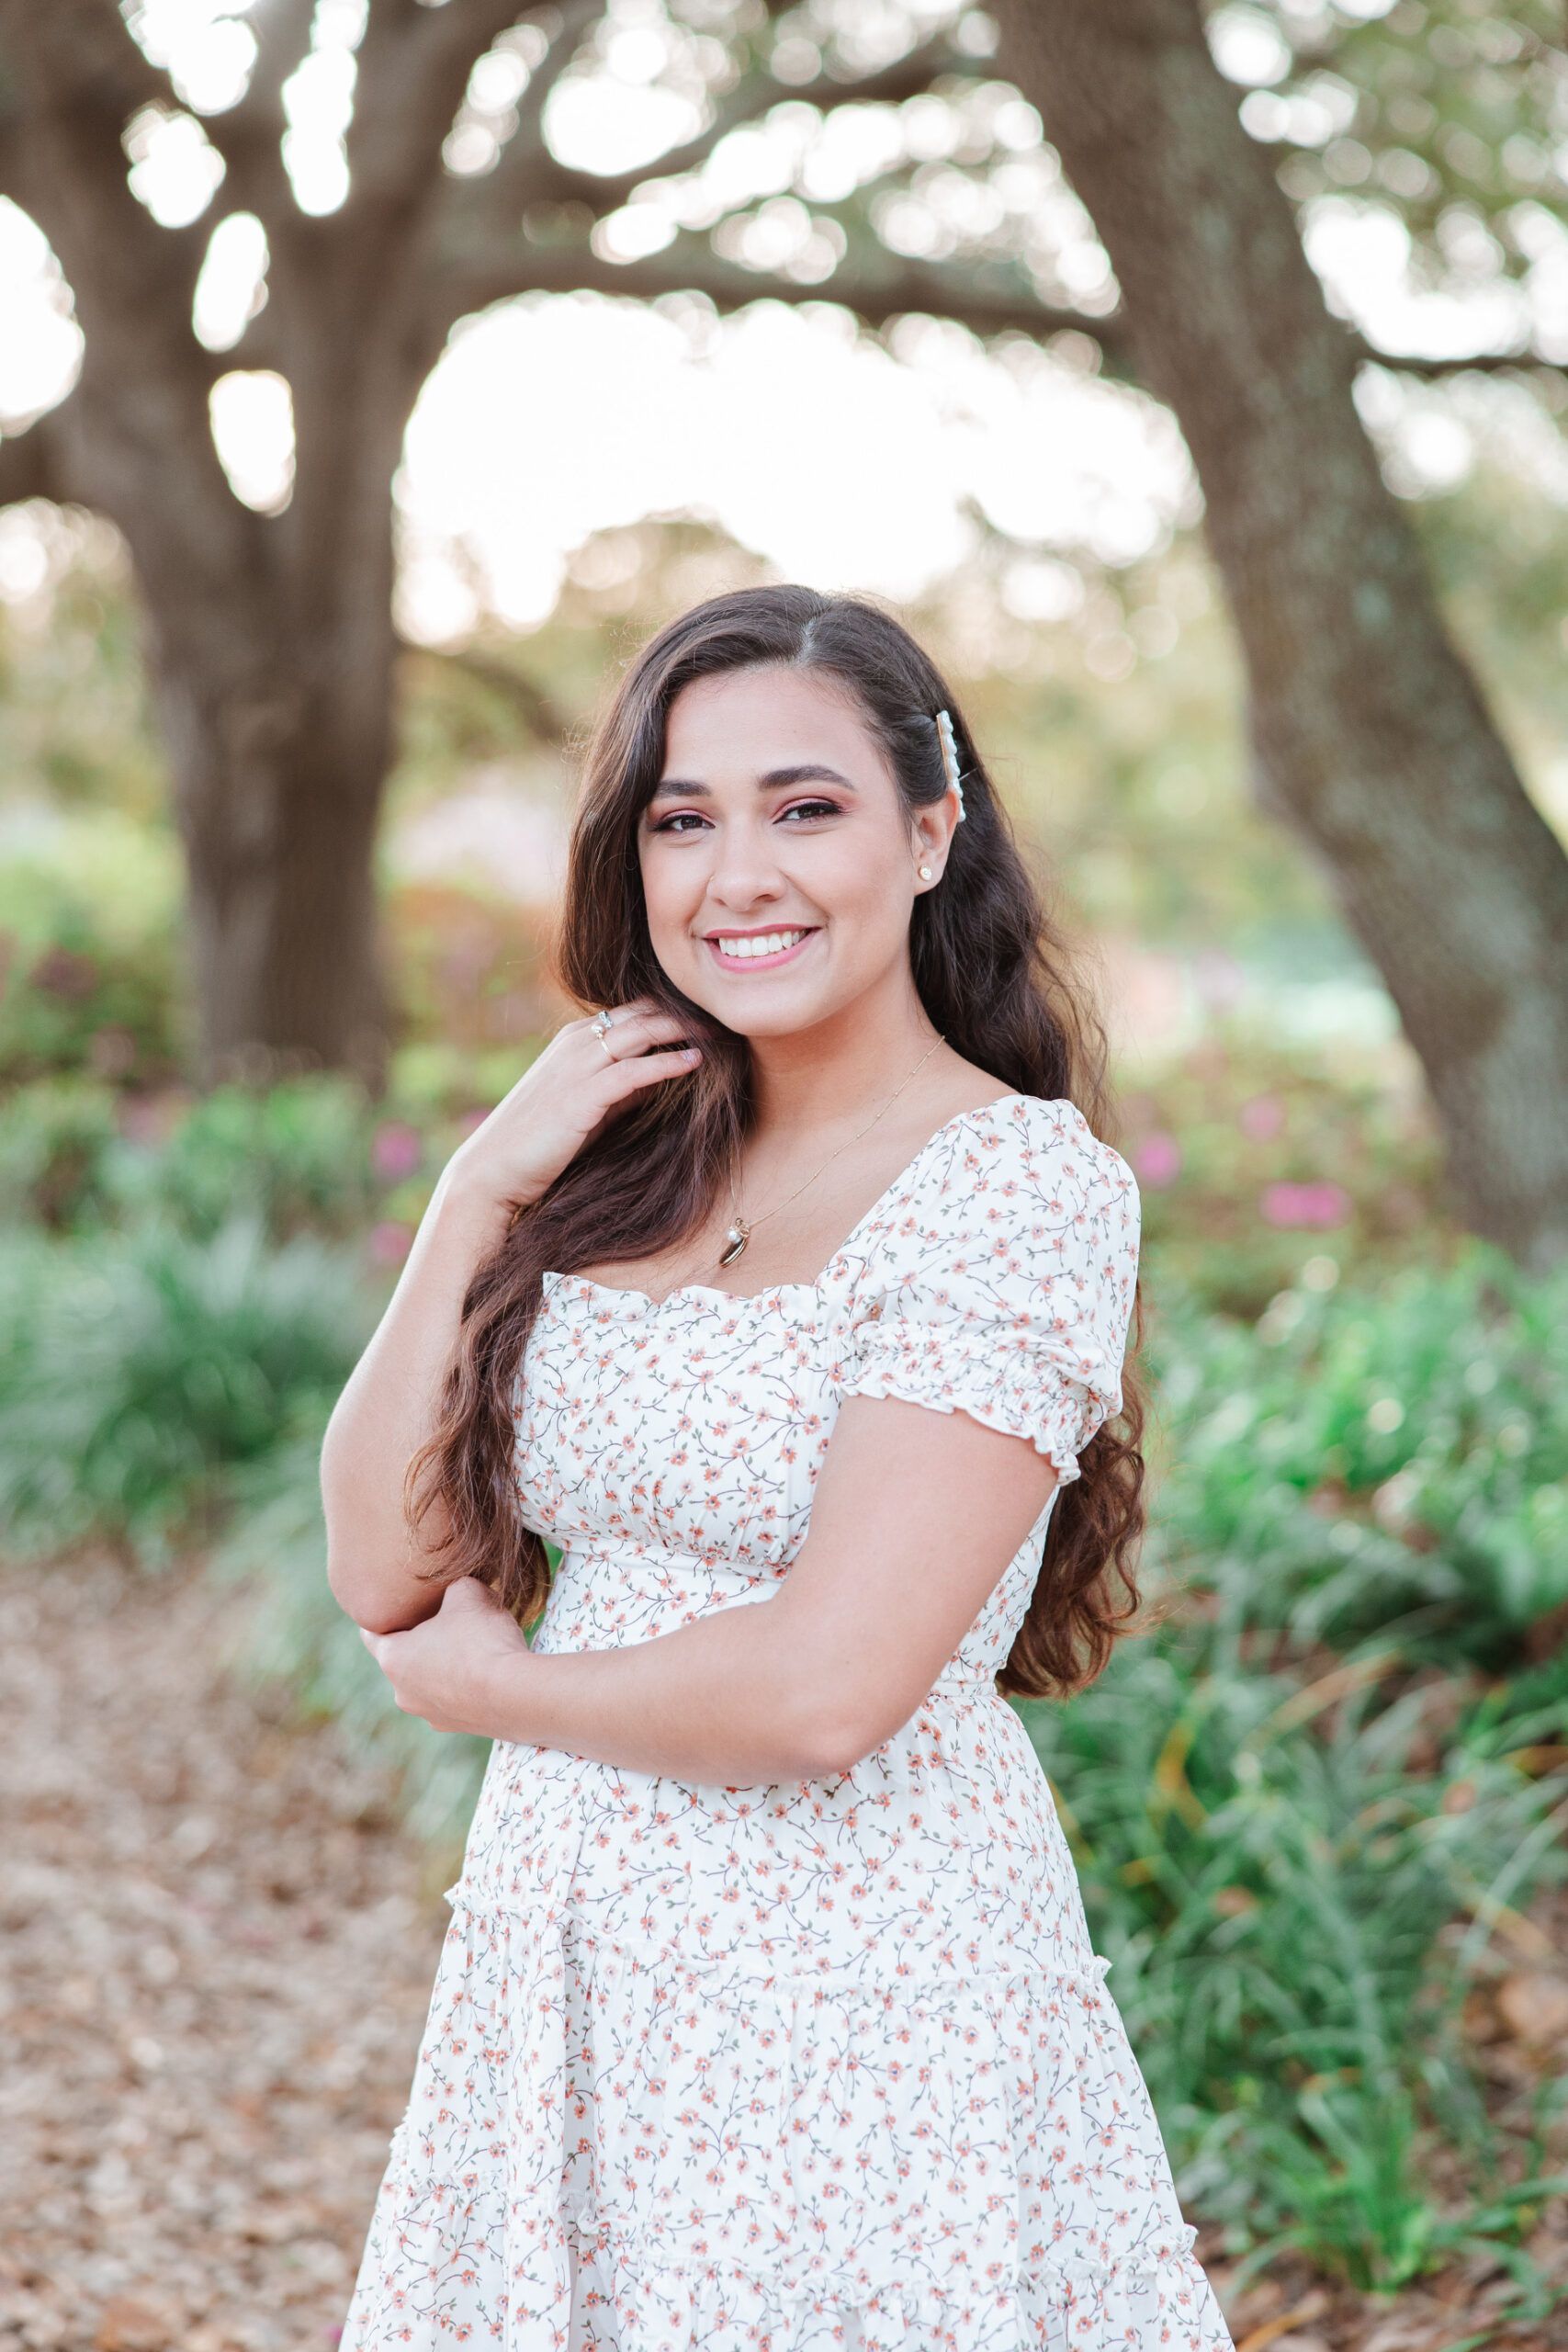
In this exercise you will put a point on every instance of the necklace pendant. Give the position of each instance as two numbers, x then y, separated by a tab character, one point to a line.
736	1240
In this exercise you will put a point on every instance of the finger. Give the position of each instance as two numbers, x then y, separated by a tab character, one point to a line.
647	1070
635	1026
633	1009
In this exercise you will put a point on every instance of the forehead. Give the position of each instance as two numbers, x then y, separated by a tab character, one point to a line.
745	720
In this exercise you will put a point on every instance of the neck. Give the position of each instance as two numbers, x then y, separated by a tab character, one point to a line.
818	1079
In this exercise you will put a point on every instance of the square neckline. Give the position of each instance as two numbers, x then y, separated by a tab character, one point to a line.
785	1290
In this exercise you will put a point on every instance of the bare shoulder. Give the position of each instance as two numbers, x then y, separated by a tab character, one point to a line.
959	1087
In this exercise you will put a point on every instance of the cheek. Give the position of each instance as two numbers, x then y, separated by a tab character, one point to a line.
662	889
871	889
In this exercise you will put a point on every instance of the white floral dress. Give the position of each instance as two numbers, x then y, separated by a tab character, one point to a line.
827	2065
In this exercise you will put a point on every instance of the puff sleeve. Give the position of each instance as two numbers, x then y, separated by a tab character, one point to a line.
1005	1288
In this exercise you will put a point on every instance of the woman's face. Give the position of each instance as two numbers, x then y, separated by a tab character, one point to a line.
777	813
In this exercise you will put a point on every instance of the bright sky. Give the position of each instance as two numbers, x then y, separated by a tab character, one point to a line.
838	460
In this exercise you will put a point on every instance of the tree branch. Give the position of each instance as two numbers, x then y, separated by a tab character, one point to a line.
79	77
493	203
538	711
249	134
1416	363
33	463
909	76
574	18
990	299
414	67
85	54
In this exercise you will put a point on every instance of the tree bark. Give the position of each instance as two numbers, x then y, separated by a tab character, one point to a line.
279	761
1369	736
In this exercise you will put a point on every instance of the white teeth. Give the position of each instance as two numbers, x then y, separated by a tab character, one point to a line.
770	944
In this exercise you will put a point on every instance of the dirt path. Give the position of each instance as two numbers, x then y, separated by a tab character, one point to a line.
215	1953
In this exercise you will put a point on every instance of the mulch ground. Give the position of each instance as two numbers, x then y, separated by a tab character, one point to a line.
217	1948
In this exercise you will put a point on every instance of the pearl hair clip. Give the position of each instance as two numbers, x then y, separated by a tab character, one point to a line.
950	757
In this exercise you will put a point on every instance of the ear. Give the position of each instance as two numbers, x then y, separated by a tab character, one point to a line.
934	826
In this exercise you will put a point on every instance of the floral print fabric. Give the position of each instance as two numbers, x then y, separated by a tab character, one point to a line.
811	2066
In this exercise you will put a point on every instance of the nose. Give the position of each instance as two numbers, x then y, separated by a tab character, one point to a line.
745	870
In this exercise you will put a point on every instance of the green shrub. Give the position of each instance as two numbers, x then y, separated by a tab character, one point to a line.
137	1370
90	976
311	1154
298	1157
1354	1464
1257	1158
1282	1877
58	1138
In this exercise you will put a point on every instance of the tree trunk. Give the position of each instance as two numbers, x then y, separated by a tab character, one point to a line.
274	684
270	656
278	775
269	637
1369	736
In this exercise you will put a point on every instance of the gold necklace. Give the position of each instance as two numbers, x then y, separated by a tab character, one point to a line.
740	1230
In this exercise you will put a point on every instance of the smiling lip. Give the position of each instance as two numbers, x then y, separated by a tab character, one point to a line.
759	963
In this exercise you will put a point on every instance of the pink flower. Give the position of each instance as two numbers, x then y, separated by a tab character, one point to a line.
1311	1204
1157	1159
1261	1118
390	1242
397	1149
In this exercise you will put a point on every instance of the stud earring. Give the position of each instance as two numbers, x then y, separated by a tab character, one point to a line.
925	873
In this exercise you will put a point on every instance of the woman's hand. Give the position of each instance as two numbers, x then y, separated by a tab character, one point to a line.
448	1668
564	1097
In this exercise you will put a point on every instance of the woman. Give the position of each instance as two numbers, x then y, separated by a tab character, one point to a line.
788	1296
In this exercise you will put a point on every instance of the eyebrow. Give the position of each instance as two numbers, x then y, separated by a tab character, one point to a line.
805	772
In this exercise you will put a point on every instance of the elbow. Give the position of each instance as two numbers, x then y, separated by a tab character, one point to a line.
365	1598
824	1722
355	1597
830	1744
833	1725
379	1598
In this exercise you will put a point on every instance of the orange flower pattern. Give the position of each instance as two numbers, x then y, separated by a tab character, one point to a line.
820	2066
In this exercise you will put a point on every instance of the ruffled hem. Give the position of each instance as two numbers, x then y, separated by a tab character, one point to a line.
579	2279
621	2148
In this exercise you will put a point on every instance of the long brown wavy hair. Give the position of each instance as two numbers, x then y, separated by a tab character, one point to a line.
992	972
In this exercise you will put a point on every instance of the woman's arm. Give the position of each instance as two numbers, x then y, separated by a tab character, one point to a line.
915	1518
387	1411
728	1697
